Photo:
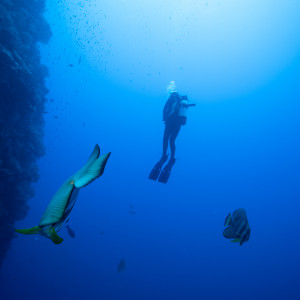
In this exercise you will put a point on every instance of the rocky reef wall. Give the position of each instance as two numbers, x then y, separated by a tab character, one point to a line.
22	101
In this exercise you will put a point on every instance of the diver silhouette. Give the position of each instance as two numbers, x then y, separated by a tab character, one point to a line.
174	116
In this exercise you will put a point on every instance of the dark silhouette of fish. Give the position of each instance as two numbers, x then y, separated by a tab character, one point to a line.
131	210
238	227
70	232
121	265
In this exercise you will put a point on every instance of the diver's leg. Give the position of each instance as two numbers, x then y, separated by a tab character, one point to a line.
166	172
166	139
157	168
173	136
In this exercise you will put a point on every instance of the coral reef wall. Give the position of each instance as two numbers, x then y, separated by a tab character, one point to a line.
22	100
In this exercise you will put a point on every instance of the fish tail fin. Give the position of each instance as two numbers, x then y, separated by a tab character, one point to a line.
55	238
33	230
237	240
91	171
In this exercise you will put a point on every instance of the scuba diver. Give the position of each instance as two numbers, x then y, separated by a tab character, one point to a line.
174	116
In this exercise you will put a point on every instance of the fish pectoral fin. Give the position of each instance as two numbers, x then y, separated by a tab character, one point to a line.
33	230
55	238
237	240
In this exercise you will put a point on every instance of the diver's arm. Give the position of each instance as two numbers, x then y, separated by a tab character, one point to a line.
188	105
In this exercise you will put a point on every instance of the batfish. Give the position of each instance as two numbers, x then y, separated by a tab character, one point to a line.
238	228
63	201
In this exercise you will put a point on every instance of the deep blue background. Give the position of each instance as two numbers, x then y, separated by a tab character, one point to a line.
240	63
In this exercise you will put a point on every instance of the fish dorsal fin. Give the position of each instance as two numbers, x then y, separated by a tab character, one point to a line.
228	220
95	154
90	172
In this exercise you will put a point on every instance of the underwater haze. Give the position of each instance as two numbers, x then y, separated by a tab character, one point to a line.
109	64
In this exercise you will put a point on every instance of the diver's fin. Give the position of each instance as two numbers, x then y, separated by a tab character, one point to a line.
90	172
237	240
157	168
33	230
229	232
166	172
228	220
55	238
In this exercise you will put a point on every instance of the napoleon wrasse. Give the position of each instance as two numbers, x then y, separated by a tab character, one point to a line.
63	201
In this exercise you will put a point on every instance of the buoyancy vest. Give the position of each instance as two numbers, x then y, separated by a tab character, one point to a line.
171	107
176	109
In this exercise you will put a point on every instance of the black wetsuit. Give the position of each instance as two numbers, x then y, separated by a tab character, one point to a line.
172	123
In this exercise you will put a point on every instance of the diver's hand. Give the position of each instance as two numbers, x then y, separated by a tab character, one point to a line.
188	105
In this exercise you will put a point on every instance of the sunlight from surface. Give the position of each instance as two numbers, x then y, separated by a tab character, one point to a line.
237	46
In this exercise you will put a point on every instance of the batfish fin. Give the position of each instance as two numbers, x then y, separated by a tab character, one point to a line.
229	232
237	240
58	204
55	238
68	209
228	220
95	154
90	172
33	230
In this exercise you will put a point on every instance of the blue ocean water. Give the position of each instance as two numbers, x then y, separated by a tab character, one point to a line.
109	65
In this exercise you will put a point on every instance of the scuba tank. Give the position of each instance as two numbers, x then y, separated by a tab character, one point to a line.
176	106
171	106
183	110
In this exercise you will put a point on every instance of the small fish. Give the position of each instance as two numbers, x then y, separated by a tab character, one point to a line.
121	265
70	65
70	232
238	227
131	209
